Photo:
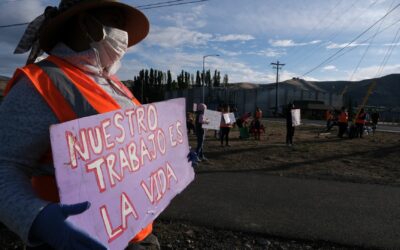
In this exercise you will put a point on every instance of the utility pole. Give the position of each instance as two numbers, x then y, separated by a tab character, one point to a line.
277	66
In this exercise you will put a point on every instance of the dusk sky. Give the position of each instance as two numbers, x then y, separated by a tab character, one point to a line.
248	36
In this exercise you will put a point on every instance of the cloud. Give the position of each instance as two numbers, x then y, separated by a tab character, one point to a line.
228	53
290	43
268	53
191	19
164	60
375	71
329	68
9	61
344	45
176	36
20	11
233	37
17	12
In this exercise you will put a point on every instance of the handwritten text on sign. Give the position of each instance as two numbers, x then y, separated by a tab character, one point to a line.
128	163
213	118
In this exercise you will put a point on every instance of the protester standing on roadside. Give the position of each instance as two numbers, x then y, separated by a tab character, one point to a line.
200	131
225	127
86	40
289	125
360	122
343	122
329	119
374	120
257	123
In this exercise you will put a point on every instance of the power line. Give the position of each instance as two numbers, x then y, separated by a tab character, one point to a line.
320	24
141	7
352	41
369	45
389	53
332	35
364	41
169	5
154	4
13	25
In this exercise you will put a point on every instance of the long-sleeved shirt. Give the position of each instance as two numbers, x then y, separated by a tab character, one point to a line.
25	119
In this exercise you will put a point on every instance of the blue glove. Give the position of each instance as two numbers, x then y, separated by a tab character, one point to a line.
51	227
192	157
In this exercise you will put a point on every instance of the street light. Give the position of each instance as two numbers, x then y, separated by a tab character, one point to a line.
204	75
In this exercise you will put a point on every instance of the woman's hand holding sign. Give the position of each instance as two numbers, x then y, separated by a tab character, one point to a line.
51	227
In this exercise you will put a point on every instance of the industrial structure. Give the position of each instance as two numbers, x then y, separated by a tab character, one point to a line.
245	97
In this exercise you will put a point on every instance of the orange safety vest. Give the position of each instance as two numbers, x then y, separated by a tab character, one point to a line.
343	117
70	94
328	115
360	118
258	114
223	124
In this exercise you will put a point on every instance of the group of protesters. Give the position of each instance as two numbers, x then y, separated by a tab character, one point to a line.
355	127
247	124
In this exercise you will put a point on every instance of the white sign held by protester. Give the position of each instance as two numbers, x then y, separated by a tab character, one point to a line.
213	118
229	118
226	118
296	118
232	117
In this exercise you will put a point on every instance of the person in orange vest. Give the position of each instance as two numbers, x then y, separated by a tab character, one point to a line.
257	123
343	122
360	122
329	119
225	127
86	40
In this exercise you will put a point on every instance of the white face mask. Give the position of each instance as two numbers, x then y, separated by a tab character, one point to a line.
111	49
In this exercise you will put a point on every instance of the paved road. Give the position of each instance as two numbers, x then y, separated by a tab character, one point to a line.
381	127
344	213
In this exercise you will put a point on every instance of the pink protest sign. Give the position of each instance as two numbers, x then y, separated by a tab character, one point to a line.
128	163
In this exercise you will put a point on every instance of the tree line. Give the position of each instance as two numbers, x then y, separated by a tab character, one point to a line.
150	85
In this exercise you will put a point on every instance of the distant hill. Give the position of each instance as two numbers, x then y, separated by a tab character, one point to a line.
3	83
4	78
386	92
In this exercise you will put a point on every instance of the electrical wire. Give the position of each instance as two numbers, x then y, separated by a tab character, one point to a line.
141	7
352	41
389	53
155	4
369	45
362	42
13	25
332	35
312	31
169	5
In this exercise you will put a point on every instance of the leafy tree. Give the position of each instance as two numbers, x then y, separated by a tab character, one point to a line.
150	84
151	77
216	79
191	80
208	78
198	79
169	80
226	80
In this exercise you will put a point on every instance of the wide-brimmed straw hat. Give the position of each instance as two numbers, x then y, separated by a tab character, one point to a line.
137	24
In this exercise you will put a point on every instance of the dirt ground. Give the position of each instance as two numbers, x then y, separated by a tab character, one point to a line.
373	159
